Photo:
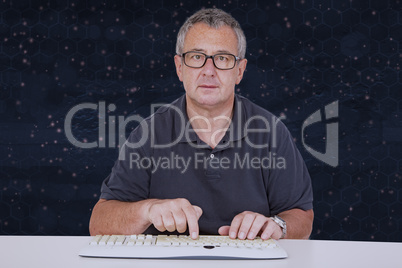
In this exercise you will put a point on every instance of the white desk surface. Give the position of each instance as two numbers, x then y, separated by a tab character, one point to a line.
62	251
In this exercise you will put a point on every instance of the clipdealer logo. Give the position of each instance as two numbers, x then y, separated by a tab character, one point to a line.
331	155
331	112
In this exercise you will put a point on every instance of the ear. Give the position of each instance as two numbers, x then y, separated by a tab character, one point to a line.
242	68
179	67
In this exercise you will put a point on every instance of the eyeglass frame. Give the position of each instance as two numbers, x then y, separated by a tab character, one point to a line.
209	57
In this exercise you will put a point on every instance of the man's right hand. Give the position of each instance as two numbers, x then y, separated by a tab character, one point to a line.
175	214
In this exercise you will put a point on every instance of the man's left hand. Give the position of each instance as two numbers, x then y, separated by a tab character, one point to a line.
250	224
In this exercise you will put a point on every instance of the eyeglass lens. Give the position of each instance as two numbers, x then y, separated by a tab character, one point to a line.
221	61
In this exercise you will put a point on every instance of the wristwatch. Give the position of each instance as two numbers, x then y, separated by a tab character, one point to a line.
278	220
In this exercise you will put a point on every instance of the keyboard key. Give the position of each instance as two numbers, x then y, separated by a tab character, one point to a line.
139	242
131	241
104	240
96	240
120	240
112	240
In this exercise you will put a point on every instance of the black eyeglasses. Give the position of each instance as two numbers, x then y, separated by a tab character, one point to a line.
222	61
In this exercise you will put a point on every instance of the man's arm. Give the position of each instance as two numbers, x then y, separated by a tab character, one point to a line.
299	223
250	224
117	217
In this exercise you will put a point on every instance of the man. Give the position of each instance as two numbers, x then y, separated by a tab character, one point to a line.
212	162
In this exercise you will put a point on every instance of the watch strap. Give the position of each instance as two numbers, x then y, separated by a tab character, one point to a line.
278	220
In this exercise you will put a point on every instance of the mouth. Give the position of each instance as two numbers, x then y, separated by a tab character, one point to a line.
208	86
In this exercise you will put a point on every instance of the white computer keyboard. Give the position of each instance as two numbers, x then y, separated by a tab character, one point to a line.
181	247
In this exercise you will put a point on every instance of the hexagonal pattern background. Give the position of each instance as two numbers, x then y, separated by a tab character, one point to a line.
302	55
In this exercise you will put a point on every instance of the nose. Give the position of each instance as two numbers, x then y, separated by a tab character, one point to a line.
209	68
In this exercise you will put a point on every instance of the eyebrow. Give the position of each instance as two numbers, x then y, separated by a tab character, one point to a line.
218	51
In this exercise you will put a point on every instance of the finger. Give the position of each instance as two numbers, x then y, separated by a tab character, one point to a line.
180	220
235	225
224	230
158	223
168	221
245	226
198	211
258	224
192	220
269	230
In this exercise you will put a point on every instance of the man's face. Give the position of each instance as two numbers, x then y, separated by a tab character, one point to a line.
208	87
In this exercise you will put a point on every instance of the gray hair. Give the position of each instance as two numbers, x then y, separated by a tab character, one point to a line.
214	18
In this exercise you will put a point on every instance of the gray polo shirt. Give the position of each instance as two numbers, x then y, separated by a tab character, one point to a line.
255	167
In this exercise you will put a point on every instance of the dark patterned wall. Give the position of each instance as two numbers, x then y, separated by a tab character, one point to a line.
302	55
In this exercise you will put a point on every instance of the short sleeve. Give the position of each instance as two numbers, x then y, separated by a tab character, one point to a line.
288	187
129	179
